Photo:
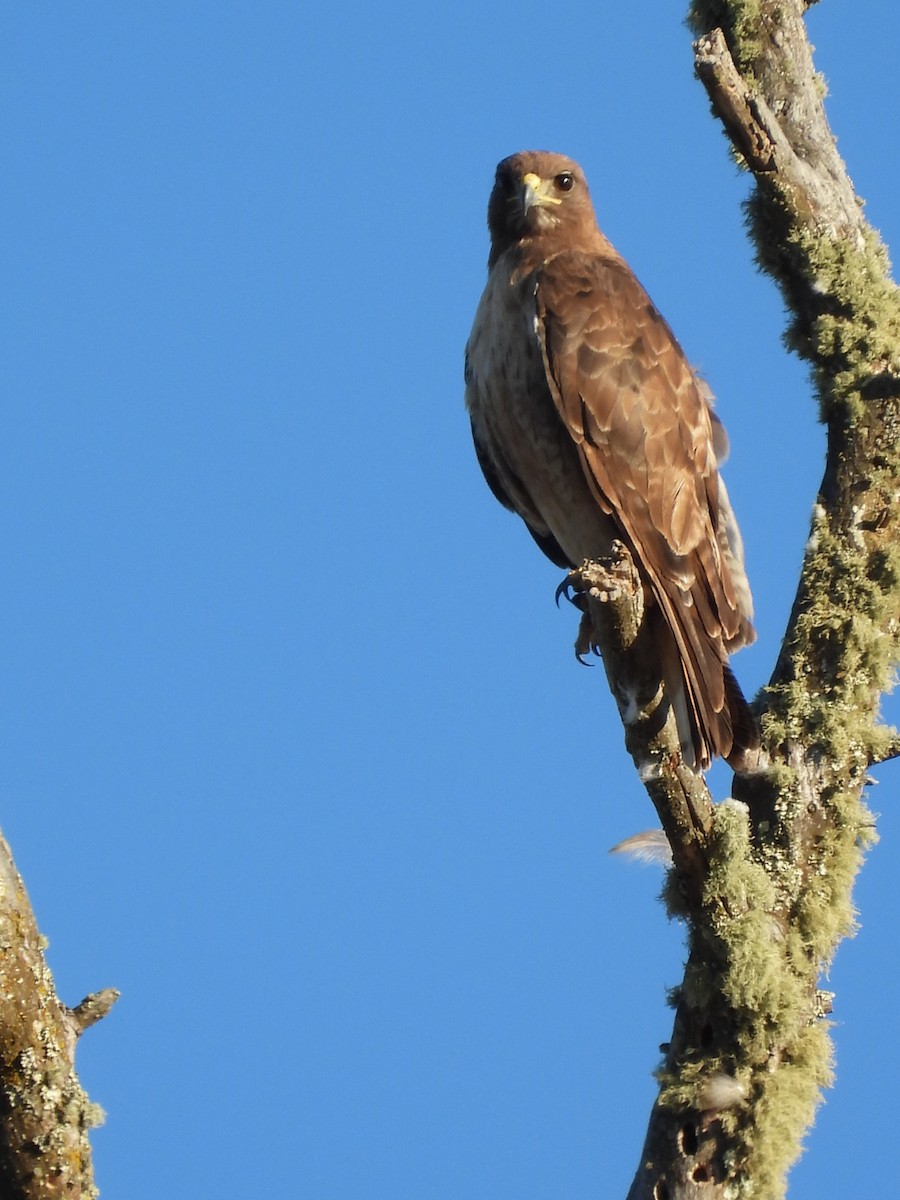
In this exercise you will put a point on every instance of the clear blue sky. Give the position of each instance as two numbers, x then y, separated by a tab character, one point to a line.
294	748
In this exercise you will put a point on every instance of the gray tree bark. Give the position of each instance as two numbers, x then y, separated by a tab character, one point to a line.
764	880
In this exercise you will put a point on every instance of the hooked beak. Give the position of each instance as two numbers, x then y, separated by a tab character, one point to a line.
536	192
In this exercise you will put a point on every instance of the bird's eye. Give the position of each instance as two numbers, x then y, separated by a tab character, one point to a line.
565	181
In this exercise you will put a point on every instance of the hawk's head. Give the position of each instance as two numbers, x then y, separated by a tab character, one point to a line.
535	193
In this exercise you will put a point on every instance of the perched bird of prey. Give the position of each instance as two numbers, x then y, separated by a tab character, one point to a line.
590	424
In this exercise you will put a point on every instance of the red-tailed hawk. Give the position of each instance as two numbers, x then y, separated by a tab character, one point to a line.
591	425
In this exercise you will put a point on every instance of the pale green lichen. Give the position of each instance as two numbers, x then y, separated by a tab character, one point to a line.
740	19
94	1115
776	910
783	1108
752	982
844	651
854	342
779	898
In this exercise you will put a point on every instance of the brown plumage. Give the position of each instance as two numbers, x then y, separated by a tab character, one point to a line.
590	424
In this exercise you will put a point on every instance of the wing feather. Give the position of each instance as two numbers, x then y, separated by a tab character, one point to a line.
629	399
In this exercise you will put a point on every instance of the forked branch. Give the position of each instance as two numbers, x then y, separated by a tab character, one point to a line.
750	1050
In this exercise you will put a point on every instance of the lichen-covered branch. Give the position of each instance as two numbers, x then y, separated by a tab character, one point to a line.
45	1116
750	1050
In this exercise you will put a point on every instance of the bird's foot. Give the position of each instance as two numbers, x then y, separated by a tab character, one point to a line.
574	587
595	584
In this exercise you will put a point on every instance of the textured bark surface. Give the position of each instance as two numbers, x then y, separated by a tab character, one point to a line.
44	1114
764	881
610	595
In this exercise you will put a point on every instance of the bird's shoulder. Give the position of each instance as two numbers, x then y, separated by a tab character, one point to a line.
596	296
607	347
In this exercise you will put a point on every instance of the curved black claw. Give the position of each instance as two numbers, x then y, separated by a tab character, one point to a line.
581	651
585	643
569	585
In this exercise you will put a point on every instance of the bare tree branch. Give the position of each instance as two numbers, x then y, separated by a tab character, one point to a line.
610	594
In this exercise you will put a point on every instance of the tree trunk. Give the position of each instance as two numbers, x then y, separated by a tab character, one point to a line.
764	880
